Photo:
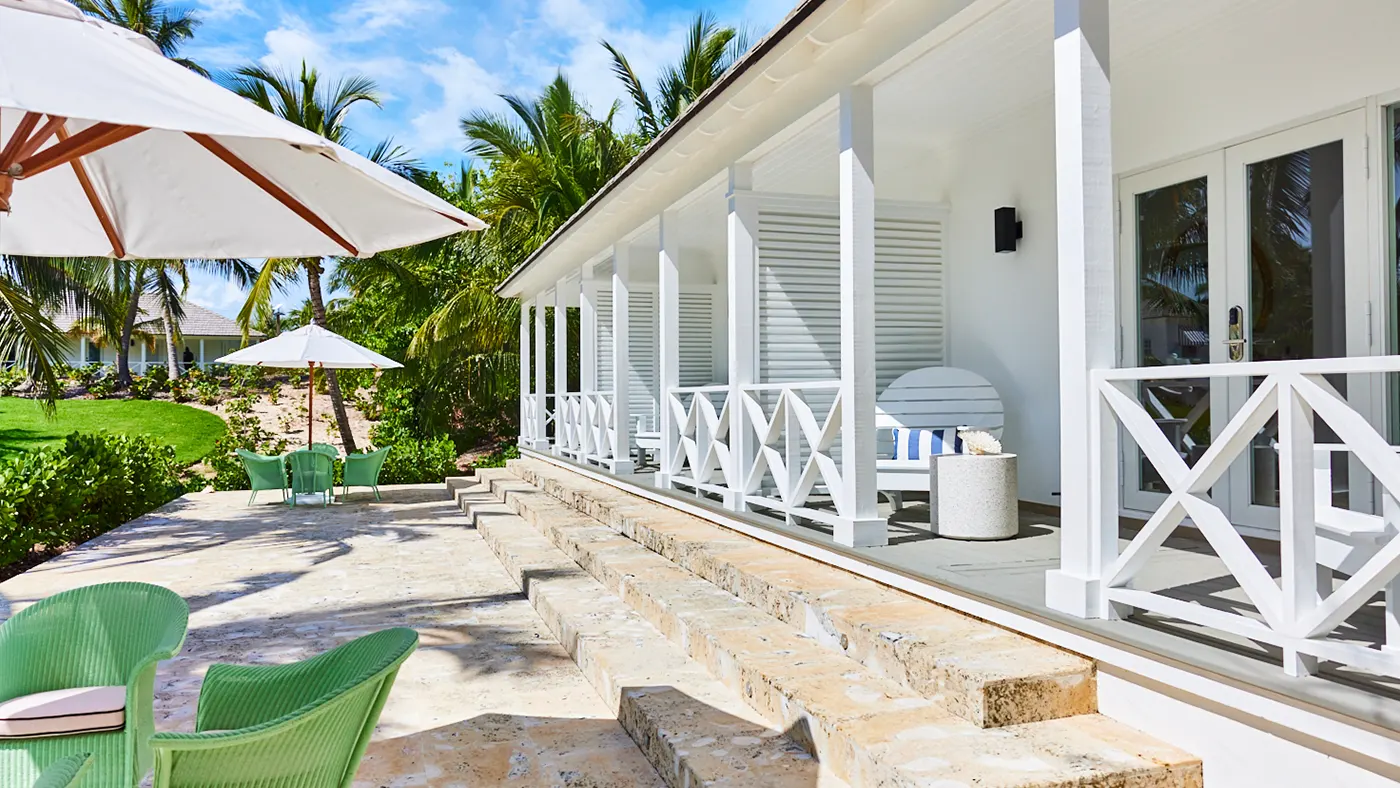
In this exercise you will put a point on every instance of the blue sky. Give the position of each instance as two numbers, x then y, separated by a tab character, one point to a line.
437	60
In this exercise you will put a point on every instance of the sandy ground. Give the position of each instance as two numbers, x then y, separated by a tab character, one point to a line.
291	398
489	698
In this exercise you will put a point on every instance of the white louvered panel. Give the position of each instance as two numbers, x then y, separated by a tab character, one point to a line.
697	338
644	380
799	298
602	311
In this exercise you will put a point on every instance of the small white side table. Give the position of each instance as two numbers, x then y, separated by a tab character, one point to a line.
973	496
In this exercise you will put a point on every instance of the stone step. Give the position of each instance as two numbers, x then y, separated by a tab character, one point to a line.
869	729
692	729
979	671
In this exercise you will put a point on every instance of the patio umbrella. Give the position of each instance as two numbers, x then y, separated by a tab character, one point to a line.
109	149
311	347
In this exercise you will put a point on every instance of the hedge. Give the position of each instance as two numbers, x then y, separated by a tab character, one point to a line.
53	496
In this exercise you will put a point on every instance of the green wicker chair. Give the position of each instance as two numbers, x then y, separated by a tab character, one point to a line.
65	772
264	473
303	725
362	470
111	634
326	449
312	472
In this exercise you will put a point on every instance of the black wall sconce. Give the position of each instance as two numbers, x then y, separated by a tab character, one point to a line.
1008	229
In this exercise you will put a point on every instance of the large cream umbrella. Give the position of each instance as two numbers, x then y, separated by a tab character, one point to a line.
109	149
310	347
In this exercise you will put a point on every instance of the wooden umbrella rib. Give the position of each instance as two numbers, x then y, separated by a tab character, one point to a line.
89	140
273	190
103	217
50	128
17	140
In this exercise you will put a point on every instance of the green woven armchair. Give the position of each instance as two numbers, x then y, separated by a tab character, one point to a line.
362	470
326	449
303	725
312	472
264	473
65	772
106	635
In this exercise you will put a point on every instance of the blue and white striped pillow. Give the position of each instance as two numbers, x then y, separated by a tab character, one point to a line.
911	444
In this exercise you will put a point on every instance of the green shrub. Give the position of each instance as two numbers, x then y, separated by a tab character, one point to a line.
94	483
274	394
419	461
144	387
244	376
159	375
498	458
240	406
89	374
244	432
102	387
11	378
207	391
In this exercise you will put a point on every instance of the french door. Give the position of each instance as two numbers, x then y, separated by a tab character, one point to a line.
1253	253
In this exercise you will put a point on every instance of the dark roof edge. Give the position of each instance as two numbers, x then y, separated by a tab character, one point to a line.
763	47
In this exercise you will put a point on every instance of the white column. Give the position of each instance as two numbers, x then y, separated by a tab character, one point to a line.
588	354
143	357
668	305
1088	319
861	524
742	284
561	361
541	373
621	360
526	436
201	353
82	351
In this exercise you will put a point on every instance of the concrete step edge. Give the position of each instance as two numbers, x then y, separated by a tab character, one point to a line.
692	729
982	672
871	730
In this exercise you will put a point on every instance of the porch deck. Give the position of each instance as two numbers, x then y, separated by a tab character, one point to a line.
1011	574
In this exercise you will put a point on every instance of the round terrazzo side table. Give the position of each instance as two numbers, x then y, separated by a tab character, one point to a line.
973	496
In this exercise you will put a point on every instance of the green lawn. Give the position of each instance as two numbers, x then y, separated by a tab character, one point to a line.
191	431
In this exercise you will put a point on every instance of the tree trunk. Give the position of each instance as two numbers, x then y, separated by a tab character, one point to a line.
128	328
318	313
172	359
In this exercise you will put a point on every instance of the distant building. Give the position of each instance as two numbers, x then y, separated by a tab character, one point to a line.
208	335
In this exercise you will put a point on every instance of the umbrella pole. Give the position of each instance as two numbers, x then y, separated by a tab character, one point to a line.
310	399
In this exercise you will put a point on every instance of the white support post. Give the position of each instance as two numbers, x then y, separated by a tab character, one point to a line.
82	351
526	436
587	356
1297	519
668	305
143	357
1088	318
621	360
742	284
861	524
201	353
561	362
541	438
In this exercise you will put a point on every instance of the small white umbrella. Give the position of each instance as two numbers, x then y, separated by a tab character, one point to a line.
109	149
310	346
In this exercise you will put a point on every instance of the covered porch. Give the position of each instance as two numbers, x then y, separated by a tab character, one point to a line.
1191	344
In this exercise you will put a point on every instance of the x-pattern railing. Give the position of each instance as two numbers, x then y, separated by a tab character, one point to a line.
1299	612
785	431
600	433
569	424
702	458
529	428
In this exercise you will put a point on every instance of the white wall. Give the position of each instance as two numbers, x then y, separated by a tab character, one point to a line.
1002	307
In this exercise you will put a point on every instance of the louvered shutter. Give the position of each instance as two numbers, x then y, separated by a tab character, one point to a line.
644	380
697	338
799	291
602	311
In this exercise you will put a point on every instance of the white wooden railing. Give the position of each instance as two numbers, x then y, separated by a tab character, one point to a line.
700	423
599	435
569	425
531	427
1298	613
794	448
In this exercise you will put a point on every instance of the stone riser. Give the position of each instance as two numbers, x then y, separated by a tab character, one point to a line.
691	729
870	730
981	672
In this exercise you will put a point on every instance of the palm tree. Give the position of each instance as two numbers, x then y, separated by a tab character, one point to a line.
168	28
709	52
303	99
32	289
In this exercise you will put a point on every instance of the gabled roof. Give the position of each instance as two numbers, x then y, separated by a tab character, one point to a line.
198	322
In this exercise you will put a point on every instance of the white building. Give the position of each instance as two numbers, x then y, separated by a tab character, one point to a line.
206	334
1208	199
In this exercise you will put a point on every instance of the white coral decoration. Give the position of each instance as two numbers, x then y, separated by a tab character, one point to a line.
979	442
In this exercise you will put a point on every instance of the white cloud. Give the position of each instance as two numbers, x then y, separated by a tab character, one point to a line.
464	86
219	10
364	19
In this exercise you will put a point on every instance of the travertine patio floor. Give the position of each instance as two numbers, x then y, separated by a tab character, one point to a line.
488	699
